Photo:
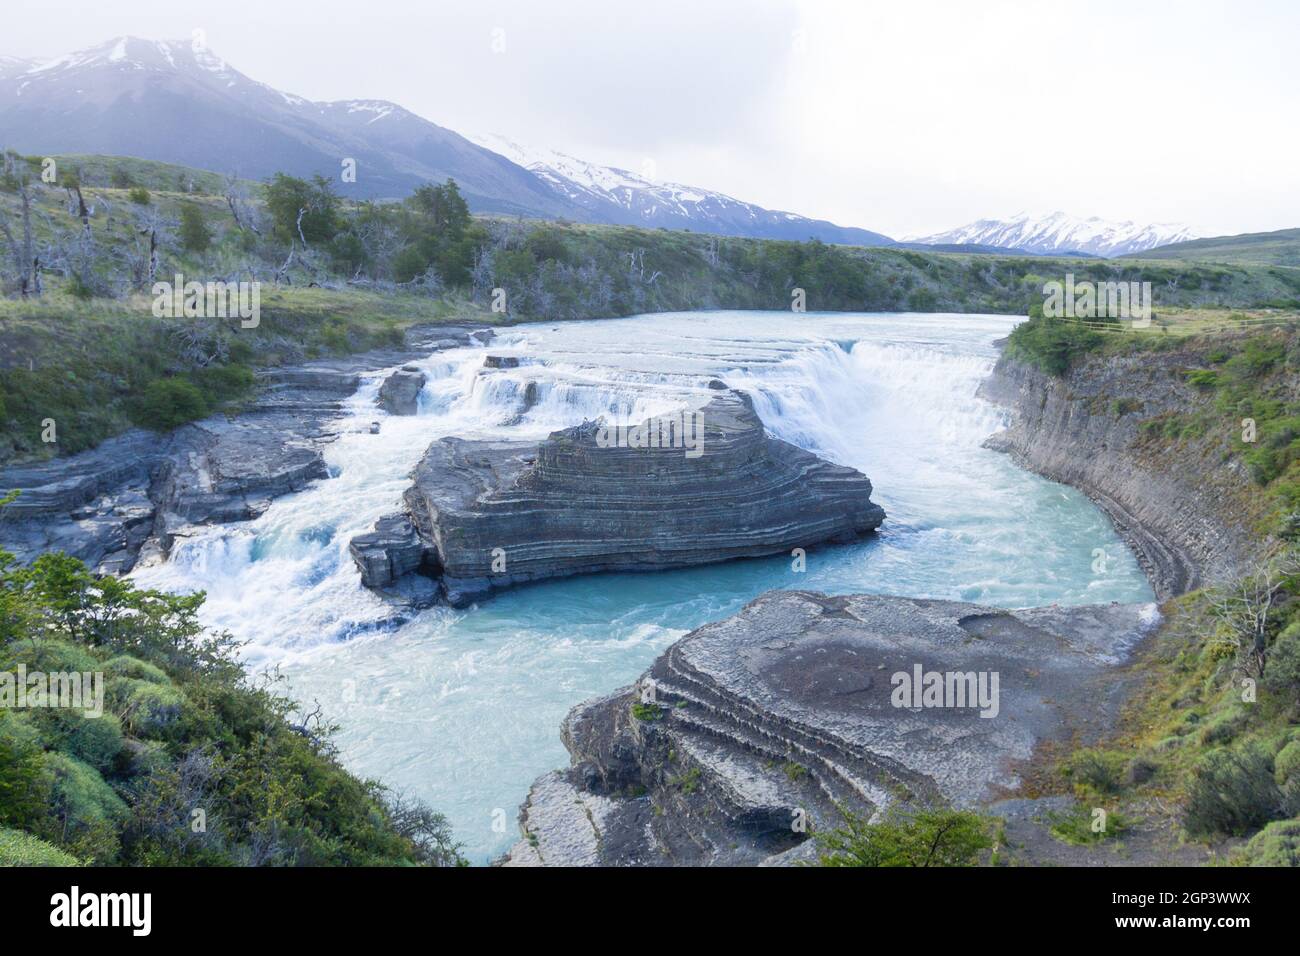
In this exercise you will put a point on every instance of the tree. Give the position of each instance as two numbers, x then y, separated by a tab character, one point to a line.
196	236
1246	610
22	251
442	207
927	838
302	211
168	403
241	207
155	231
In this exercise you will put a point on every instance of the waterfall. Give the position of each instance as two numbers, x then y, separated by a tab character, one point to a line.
462	708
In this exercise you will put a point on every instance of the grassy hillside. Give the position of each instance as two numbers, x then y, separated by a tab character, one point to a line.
176	759
1209	746
1281	248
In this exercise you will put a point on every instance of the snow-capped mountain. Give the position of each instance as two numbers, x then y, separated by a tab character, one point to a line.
1060	233
616	195
179	102
12	64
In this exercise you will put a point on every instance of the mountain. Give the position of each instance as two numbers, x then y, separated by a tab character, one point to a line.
975	248
178	103
1059	234
1280	248
12	64
614	195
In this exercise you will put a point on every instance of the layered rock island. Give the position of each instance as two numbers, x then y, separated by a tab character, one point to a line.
678	490
751	733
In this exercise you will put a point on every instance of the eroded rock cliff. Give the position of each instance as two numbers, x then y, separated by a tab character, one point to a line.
1184	506
750	733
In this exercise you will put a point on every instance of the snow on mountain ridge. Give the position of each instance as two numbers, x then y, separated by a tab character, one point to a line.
1059	232
619	195
116	86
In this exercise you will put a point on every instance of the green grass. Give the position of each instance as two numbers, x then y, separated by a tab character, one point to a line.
647	712
1189	751
1082	826
99	368
1280	248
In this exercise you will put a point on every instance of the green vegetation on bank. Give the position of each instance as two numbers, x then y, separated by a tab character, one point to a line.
922	838
338	277
188	764
1210	745
100	367
1244	404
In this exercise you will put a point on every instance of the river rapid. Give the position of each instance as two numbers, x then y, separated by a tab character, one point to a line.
462	707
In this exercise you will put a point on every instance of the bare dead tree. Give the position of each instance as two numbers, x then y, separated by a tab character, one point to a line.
637	268
712	249
282	273
481	272
26	264
1245	610
76	201
241	208
155	230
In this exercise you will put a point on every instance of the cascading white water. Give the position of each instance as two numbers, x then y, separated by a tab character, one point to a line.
462	708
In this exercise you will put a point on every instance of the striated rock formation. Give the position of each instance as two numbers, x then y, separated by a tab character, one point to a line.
1186	511
680	490
389	552
400	393
132	495
743	737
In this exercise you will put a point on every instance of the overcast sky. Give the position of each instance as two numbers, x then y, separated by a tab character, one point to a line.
903	117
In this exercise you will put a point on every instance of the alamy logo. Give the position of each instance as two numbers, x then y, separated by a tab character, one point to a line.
61	689
685	431
1098	300
103	909
209	300
958	689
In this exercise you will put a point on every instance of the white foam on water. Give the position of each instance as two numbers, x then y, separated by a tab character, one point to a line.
462	708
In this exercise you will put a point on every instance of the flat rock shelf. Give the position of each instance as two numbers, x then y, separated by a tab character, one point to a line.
752	732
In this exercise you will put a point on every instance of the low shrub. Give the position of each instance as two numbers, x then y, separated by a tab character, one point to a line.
1232	791
927	838
1278	844
1100	771
168	403
22	849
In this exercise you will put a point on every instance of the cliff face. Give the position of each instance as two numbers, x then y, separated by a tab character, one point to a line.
749	733
1184	508
492	514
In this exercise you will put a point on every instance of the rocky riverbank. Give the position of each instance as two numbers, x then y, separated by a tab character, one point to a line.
679	490
1185	507
782	714
751	732
128	499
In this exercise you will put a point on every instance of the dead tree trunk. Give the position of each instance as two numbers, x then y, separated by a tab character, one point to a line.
27	267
